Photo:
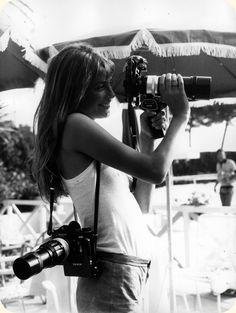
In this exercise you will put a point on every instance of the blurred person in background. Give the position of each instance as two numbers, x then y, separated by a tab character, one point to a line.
226	175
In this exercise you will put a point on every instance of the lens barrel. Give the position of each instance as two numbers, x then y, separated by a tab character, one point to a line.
196	87
49	254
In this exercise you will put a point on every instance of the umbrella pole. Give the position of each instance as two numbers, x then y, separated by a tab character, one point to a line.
170	233
127	130
170	245
223	140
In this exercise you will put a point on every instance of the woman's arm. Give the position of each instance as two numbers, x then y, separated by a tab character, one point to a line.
143	190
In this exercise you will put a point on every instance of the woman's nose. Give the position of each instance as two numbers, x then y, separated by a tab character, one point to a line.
111	92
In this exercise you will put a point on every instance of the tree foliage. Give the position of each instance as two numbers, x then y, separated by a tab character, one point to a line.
209	114
16	148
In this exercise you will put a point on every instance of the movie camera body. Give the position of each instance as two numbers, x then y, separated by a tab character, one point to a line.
70	245
143	90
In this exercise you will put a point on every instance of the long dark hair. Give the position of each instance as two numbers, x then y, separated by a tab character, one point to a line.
69	75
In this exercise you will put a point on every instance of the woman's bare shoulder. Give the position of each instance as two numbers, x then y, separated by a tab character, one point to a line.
80	122
75	119
81	132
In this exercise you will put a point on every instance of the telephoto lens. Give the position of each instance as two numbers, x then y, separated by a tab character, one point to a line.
196	87
49	254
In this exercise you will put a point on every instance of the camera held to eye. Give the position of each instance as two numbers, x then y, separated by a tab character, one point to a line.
70	246
143	90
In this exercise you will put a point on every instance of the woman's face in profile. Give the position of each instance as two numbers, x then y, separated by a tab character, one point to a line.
96	102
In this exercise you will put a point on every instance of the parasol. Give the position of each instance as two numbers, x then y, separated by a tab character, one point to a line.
18	64
188	52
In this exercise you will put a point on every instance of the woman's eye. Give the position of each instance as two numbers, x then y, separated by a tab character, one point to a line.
100	86
103	85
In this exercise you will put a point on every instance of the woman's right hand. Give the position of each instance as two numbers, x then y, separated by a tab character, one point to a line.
156	120
171	87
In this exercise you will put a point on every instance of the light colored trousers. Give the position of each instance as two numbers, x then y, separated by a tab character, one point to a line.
119	289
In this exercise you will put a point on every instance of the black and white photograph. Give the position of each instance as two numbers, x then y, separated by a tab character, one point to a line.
117	156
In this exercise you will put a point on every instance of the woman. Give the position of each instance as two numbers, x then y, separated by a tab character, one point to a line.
68	144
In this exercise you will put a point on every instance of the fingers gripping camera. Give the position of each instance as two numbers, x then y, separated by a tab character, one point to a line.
143	90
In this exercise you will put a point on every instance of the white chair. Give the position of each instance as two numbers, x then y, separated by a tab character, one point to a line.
60	290
13	289
196	284
52	294
212	263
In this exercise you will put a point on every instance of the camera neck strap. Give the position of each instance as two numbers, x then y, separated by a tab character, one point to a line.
97	189
51	206
130	132
96	204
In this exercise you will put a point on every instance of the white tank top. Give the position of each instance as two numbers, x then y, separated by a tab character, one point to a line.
121	225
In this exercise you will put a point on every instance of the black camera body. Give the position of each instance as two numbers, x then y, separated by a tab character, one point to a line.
70	245
81	260
143	90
